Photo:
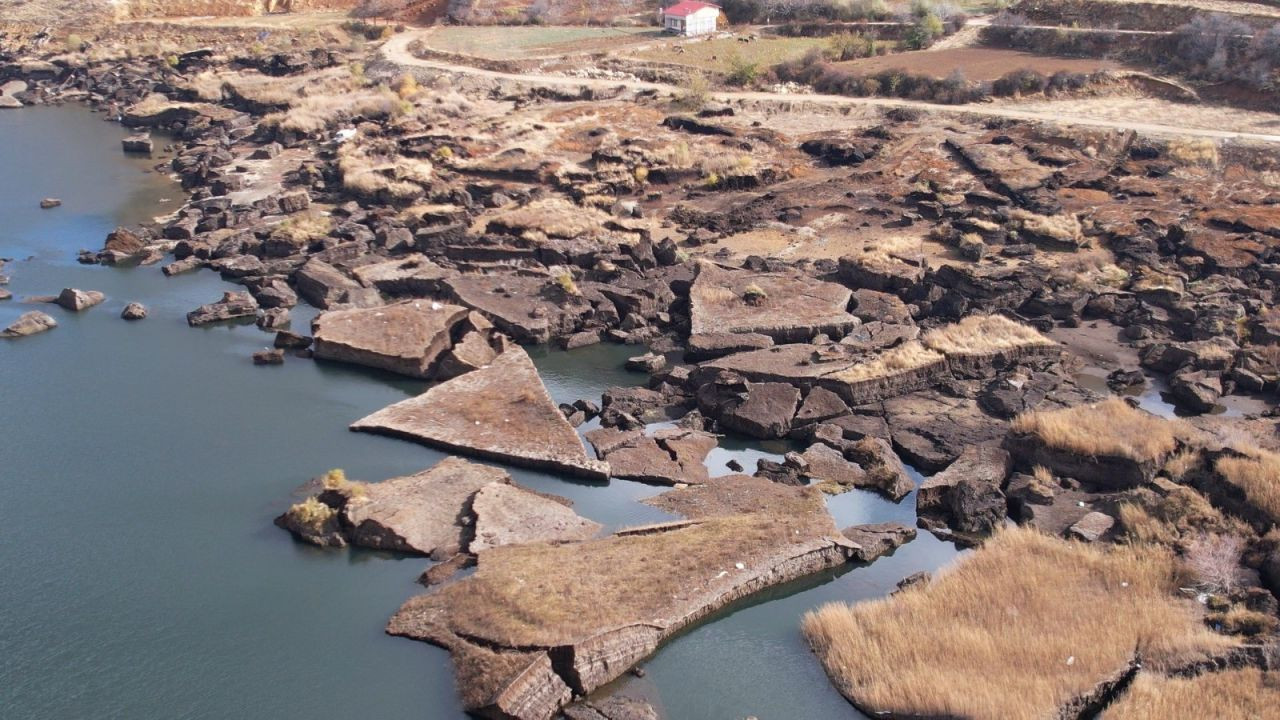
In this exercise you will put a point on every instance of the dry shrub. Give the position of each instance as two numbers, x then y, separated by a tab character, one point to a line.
1088	268
1194	151
979	334
1257	475
1110	427
312	513
304	228
207	86
1214	561
1014	631
1243	621
1245	694
904	358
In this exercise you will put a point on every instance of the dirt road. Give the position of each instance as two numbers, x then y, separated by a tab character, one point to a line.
396	50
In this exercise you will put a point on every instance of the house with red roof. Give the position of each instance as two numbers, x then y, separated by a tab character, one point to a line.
690	17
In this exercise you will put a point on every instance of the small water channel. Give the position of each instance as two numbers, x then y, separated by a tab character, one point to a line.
141	465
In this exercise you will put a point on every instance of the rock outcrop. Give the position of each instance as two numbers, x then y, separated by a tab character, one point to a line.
786	306
590	610
499	412
454	507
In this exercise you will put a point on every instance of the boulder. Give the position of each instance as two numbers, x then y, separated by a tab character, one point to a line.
820	405
828	468
474	351
986	464
123	241
291	341
323	285
29	323
50	203
273	319
414	275
765	412
406	338
885	471
233	305
79	300
134	311
500	412
1197	391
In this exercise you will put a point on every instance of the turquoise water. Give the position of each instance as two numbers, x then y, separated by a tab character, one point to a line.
141	465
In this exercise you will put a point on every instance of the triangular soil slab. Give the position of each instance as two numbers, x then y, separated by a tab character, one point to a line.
500	412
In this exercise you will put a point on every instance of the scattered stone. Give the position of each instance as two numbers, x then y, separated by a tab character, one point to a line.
273	319
1091	527
274	356
501	412
667	457
917	579
650	363
140	143
134	311
29	323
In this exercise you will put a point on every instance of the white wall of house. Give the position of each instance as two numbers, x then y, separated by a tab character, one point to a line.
697	23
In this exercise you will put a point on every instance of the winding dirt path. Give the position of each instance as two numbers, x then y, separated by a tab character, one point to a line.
396	50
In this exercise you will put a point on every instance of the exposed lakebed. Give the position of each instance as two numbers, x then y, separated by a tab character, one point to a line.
143	463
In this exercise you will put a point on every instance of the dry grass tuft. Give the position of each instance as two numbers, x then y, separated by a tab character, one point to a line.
337	481
1110	427
1245	694
1258	476
367	172
1194	151
1065	229
1015	631
980	334
1170	519
904	358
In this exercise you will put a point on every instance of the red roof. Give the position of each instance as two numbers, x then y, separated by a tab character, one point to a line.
688	7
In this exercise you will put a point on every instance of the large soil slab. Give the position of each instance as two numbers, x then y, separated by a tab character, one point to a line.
405	338
786	306
536	625
502	412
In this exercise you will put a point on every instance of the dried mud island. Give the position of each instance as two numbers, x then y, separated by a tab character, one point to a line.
1058	307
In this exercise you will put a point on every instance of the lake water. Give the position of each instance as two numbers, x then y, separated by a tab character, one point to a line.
141	465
